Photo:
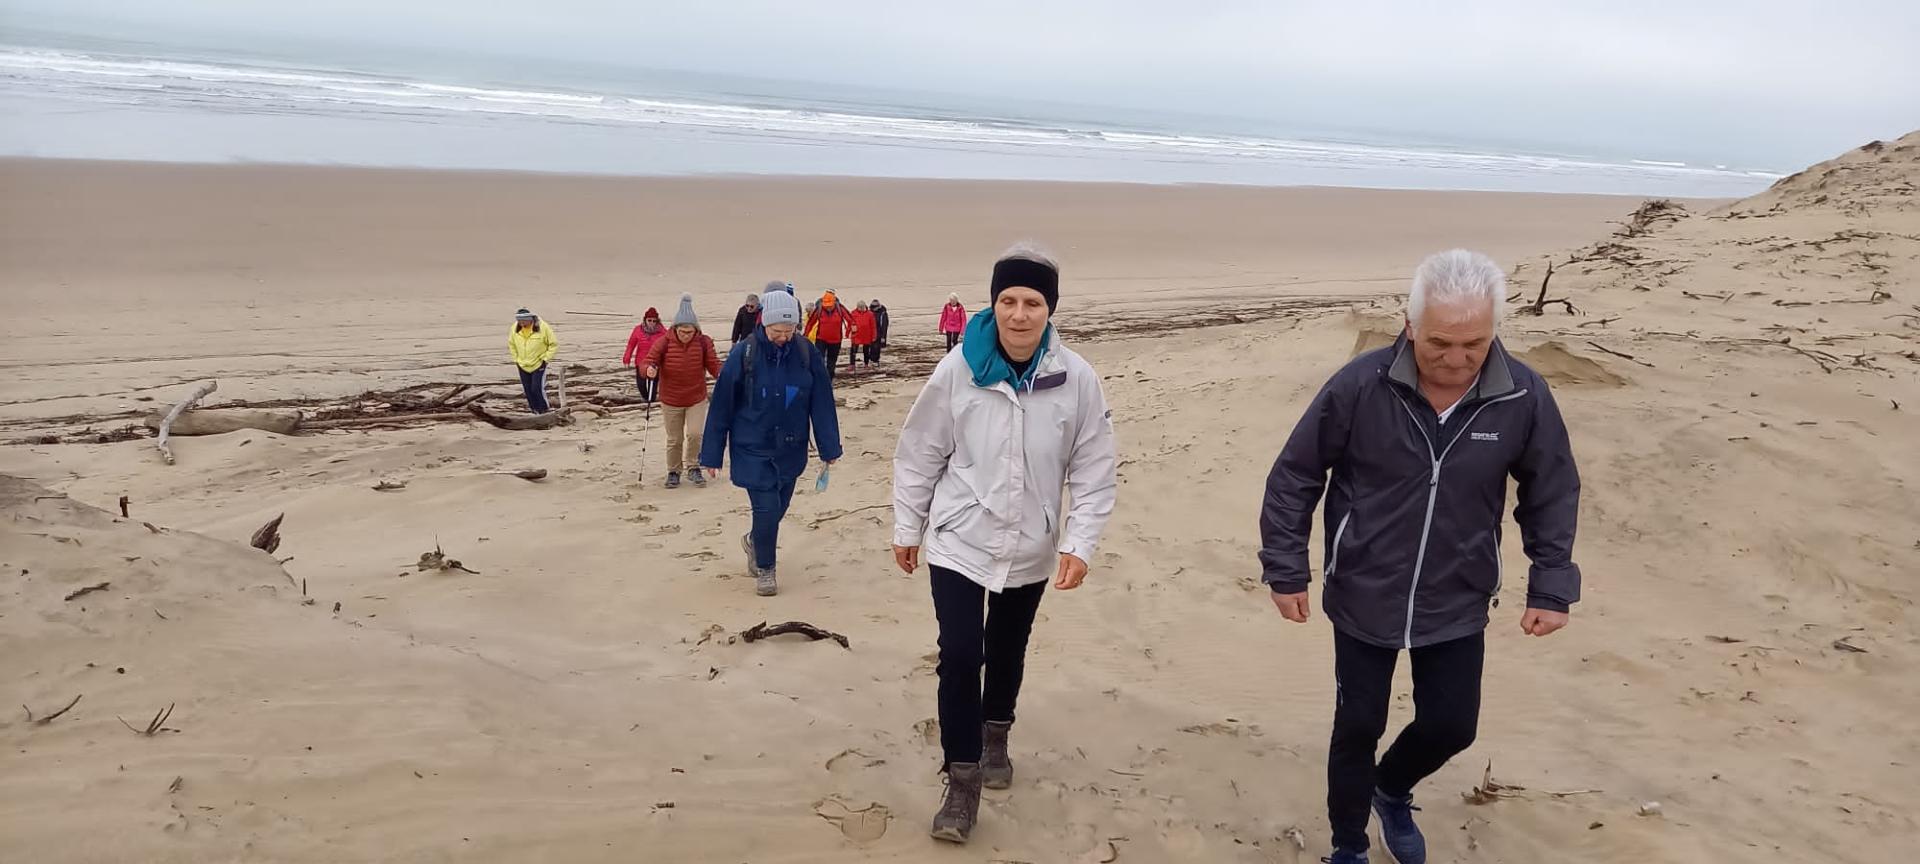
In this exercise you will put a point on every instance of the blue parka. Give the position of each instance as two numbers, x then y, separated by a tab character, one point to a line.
761	418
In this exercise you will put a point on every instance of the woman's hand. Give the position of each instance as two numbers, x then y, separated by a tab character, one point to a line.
908	557
653	371
1073	571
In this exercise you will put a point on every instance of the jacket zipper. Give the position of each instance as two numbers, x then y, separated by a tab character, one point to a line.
1433	494
1333	563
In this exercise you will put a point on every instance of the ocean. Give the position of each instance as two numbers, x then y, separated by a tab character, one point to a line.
71	98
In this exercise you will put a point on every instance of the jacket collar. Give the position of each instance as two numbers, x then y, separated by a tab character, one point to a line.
1496	375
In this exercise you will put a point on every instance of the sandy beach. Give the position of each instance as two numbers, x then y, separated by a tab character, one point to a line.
1741	380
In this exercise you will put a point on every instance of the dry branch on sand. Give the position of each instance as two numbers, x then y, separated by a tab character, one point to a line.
761	631
42	721
155	726
166	424
438	560
89	590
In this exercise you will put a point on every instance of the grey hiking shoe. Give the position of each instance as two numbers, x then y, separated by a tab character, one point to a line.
699	477
764	583
960	809
673	479
996	767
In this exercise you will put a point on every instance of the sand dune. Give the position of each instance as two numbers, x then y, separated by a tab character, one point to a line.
1751	507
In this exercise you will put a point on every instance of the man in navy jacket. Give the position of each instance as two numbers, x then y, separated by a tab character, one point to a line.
1419	440
773	393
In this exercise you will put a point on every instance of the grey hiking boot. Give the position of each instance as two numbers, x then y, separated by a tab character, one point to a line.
764	583
961	807
996	768
699	477
673	479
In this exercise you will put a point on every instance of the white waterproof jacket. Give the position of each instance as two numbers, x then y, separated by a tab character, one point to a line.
978	473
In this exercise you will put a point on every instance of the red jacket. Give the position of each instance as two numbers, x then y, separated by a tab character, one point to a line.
684	368
640	344
865	327
833	324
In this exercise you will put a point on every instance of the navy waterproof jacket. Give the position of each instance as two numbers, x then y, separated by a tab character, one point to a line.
1414	505
762	420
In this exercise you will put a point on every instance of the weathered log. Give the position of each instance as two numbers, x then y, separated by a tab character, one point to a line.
166	425
385	420
518	424
221	421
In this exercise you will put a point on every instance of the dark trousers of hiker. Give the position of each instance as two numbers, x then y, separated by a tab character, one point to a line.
831	351
769	507
952	340
649	387
873	354
534	384
1446	712
979	629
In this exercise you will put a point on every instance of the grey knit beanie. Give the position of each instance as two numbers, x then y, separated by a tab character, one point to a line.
779	307
684	315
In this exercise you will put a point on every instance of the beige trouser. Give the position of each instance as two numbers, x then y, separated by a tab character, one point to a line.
685	429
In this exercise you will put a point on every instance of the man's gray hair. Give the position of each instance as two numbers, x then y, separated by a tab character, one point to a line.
1457	277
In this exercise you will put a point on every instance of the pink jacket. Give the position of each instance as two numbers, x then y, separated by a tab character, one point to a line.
953	319
639	344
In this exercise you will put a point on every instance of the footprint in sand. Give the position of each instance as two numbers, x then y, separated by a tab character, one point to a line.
665	529
701	555
860	824
929	731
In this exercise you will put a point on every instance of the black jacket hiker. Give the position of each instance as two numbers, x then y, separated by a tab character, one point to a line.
745	322
1413	515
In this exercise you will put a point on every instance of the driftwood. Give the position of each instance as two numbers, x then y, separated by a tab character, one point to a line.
1620	354
89	590
279	421
124	501
761	631
389	485
267	539
42	721
166	424
528	474
516	423
388	420
154	726
438	560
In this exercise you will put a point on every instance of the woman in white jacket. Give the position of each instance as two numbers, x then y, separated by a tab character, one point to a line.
1002	427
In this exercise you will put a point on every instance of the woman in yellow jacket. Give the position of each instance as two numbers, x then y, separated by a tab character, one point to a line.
533	344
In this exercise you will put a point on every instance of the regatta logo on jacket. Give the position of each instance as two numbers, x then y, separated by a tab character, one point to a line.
1486	436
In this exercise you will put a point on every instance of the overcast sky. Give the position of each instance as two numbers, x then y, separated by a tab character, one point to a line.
1770	82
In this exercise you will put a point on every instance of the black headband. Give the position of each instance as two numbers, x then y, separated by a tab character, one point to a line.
1027	273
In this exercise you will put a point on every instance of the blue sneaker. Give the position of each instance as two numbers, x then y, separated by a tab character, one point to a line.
1341	856
1402	839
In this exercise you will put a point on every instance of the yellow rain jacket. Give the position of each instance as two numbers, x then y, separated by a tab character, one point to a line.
533	348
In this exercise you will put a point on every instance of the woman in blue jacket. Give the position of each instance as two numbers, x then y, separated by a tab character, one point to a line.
774	390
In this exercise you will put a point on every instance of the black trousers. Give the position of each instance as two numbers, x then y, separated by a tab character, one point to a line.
649	387
952	340
831	351
1446	713
873	352
979	629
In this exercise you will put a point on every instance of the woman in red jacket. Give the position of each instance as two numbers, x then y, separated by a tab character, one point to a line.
638	346
865	330
681	363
